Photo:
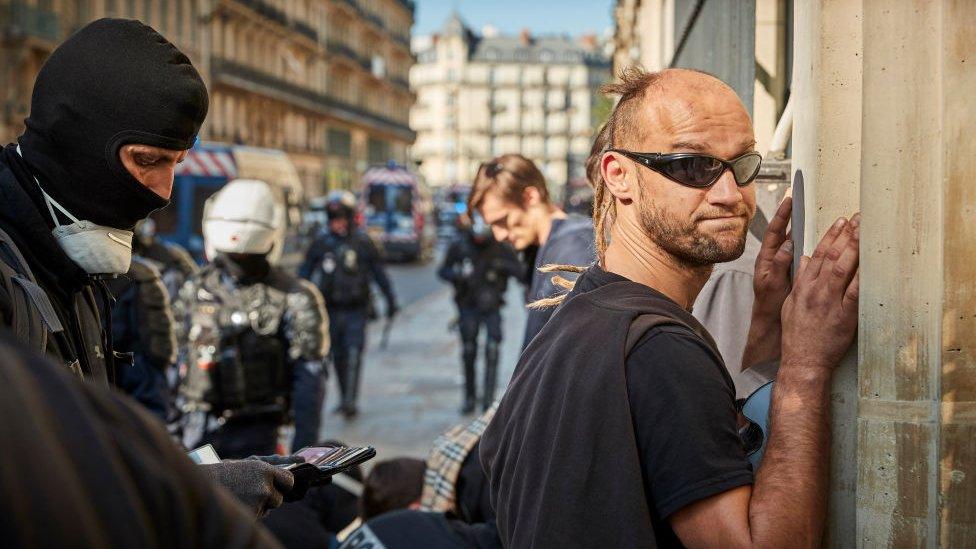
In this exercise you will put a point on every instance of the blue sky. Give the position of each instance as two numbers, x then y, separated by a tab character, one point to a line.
509	16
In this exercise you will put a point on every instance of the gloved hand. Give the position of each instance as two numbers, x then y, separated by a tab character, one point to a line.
258	485
275	459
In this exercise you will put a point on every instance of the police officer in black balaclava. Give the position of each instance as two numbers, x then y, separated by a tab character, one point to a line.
114	109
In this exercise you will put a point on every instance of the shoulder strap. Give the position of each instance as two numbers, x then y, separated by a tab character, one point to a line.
32	316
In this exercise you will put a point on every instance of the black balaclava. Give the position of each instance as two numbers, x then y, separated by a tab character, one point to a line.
112	83
244	268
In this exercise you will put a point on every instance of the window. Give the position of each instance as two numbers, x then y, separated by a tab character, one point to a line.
546	56
339	142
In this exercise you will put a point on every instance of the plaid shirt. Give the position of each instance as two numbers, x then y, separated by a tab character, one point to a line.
444	463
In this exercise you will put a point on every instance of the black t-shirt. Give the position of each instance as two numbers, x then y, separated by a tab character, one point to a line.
682	404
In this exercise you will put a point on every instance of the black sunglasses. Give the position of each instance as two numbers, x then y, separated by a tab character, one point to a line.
698	170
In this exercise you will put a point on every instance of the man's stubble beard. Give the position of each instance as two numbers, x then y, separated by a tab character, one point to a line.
682	239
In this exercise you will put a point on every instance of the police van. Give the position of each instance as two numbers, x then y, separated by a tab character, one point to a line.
395	209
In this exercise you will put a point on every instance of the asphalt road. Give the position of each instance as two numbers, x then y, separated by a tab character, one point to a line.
414	281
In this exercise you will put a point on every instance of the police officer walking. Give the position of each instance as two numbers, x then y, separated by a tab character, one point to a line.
479	267
341	262
256	336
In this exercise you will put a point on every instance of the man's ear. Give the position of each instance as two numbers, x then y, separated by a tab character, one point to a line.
531	197
614	168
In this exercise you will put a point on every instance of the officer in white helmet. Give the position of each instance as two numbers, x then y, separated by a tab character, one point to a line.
255	336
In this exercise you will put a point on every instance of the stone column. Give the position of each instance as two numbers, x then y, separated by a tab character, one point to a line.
916	483
827	155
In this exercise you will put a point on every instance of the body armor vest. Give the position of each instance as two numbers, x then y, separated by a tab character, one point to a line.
238	355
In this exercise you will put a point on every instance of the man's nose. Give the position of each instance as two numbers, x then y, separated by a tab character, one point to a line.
724	191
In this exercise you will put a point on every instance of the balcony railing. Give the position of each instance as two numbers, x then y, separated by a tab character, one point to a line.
339	48
375	19
400	81
305	29
224	67
266	10
18	20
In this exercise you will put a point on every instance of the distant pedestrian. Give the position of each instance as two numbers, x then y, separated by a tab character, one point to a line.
511	195
479	267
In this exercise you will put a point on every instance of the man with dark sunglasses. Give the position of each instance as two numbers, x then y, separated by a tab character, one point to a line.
622	403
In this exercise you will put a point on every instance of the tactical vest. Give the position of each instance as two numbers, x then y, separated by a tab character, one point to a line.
238	364
342	275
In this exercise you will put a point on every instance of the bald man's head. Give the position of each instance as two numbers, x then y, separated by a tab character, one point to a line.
678	111
655	103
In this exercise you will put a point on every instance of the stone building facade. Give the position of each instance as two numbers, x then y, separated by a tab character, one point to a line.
483	95
324	80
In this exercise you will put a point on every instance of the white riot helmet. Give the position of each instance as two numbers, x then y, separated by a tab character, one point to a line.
246	216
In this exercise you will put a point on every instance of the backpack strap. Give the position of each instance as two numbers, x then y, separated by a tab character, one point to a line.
31	316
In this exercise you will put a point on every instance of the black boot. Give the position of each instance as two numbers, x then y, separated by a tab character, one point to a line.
352	383
341	364
469	355
491	374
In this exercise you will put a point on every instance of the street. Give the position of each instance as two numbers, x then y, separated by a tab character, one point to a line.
412	389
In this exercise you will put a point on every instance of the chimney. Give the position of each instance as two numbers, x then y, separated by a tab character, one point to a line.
588	41
525	37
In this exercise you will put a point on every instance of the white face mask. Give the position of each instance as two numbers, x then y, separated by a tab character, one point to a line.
95	248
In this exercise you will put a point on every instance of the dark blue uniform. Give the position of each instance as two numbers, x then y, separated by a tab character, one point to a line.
142	324
479	267
342	267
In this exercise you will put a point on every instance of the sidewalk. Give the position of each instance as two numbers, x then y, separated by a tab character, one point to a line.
412	390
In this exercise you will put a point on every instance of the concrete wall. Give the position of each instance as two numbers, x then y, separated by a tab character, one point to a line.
917	383
884	120
827	152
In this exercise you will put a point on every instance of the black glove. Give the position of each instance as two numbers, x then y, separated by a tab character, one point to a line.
275	459
258	485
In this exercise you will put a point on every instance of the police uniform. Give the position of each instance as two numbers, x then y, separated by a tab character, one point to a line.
254	358
342	266
142	324
479	268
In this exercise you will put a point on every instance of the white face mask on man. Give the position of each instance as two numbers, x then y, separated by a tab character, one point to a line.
95	248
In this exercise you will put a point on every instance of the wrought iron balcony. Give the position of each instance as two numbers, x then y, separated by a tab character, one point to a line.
19	20
305	29
273	86
335	47
400	81
265	9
